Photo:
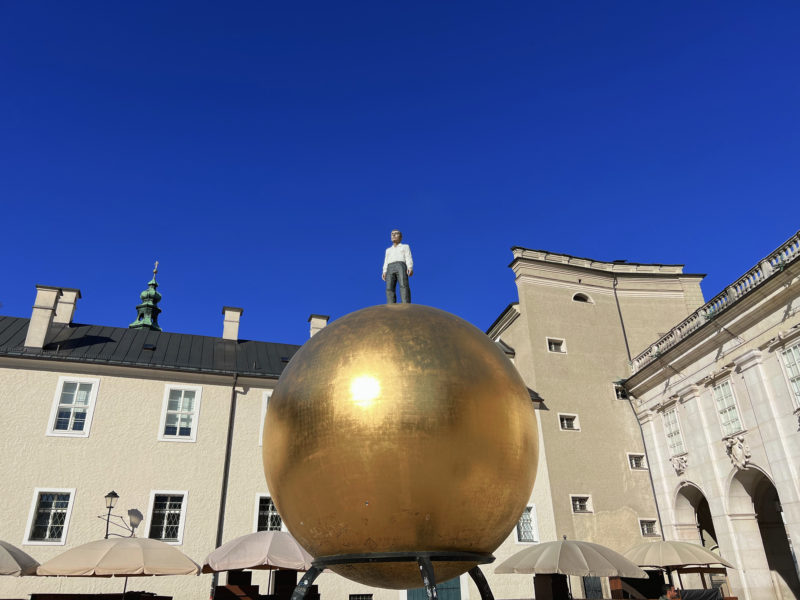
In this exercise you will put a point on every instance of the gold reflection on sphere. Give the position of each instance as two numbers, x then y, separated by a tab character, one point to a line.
400	428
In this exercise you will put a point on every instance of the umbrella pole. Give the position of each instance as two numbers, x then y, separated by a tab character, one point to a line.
125	587
679	578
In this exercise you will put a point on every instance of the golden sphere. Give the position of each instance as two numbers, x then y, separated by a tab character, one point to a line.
400	428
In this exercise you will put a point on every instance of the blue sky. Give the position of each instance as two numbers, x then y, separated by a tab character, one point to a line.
262	152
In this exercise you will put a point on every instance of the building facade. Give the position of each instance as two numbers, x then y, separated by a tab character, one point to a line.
718	397
572	334
170	422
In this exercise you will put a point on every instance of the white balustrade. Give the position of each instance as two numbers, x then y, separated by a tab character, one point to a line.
768	267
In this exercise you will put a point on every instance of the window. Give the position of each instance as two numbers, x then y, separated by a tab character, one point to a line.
791	358
167	512
581	503
360	596
568	422
73	407
267	518
180	414
264	405
620	392
636	462
726	407
49	516
592	587
648	527
556	345
673	431
581	298
527	528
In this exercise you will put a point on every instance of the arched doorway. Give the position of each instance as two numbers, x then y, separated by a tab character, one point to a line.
694	524
693	517
753	493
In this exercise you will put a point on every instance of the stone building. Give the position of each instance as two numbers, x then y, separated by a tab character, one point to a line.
718	397
572	334
170	422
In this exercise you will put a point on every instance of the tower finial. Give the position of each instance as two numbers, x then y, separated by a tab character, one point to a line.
148	311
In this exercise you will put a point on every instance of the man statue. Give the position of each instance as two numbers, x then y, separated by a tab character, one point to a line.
398	267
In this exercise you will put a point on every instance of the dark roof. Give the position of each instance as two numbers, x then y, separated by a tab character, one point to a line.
146	348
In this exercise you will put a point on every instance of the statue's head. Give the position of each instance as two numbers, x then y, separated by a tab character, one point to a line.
397	236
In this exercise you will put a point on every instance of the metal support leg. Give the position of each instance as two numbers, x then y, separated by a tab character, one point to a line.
428	579
305	583
481	583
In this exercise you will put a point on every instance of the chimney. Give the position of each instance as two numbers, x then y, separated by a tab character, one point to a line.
43	309
65	308
317	323
230	327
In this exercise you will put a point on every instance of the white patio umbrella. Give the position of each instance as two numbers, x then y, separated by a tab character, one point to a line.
120	557
261	550
673	555
569	557
15	562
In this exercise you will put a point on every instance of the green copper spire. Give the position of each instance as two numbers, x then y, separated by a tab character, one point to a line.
148	310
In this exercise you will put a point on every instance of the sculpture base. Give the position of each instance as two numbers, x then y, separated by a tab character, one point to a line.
424	560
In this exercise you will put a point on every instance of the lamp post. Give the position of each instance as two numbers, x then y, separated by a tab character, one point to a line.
111	500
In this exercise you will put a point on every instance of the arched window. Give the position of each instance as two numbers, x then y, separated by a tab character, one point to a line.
579	297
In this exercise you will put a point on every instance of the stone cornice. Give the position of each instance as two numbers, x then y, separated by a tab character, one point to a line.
787	336
748	359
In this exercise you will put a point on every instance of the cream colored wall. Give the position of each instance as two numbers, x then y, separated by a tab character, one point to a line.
122	453
514	334
593	461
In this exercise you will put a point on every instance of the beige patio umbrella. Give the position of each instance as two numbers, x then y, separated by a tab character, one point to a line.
261	550
15	562
673	555
569	557
120	557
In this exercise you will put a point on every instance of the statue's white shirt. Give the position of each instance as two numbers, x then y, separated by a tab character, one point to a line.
399	253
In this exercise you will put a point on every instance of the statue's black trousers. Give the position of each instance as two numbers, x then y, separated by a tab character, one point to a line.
397	272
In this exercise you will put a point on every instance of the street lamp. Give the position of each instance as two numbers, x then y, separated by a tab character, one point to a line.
111	500
134	517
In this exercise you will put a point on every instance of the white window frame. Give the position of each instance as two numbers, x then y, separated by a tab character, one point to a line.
734	404
184	504
551	338
574	416
32	516
264	406
51	423
792	380
531	508
644	461
664	418
656	531
198	392
589	504
259	496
